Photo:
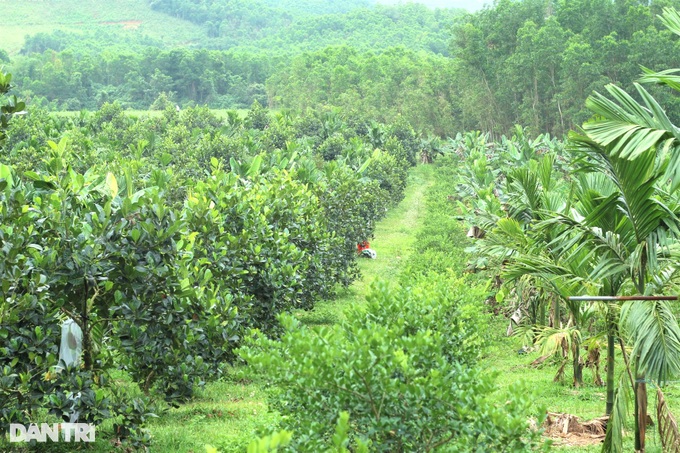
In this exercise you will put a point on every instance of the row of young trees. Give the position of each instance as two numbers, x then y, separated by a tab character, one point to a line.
404	364
599	218
167	238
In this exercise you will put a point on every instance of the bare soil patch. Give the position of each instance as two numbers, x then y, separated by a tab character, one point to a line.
568	430
127	24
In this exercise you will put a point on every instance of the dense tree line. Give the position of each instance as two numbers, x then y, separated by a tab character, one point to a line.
534	62
530	62
72	81
397	82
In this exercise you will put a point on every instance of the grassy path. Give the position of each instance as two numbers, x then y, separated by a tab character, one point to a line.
394	236
228	413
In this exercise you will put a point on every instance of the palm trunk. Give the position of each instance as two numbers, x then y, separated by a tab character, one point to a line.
541	314
556	312
611	351
640	412
578	366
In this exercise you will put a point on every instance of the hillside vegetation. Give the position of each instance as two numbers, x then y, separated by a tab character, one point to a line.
284	26
131	19
530	62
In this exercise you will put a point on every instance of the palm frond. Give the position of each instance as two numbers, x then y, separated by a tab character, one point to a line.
626	127
656	337
671	19
554	341
667	77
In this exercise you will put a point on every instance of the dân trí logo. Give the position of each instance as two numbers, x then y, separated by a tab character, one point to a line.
70	432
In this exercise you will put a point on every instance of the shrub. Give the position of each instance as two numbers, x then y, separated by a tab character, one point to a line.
257	117
402	367
390	173
266	240
332	147
351	205
174	323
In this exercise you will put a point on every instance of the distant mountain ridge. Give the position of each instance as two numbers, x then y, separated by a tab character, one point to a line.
470	5
287	26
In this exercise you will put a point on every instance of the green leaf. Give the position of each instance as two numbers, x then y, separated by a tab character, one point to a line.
112	184
44	185
6	175
255	166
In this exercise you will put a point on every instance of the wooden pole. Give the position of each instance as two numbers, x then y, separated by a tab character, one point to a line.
641	414
620	298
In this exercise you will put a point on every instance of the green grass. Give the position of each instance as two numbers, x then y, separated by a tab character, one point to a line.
130	17
394	236
227	415
586	402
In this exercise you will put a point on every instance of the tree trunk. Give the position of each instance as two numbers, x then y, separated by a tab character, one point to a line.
640	413
87	341
611	351
578	366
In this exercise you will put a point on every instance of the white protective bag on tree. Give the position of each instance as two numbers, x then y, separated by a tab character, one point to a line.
70	349
71	344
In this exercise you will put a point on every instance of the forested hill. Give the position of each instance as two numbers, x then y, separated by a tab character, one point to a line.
286	25
214	52
314	24
528	62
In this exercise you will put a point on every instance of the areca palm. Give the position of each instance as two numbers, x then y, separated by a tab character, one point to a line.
636	146
553	254
532	194
559	275
615	238
632	232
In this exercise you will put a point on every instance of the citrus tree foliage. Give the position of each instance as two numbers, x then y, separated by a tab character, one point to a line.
55	230
266	239
165	239
9	105
403	365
